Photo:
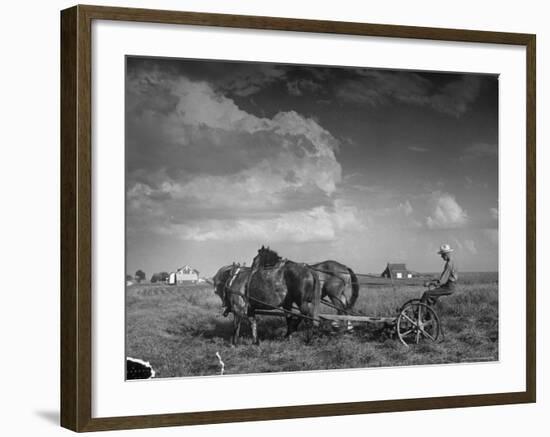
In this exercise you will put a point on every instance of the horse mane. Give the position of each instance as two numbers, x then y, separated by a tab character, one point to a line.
268	257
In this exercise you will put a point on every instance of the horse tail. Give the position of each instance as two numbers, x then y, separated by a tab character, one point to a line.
354	289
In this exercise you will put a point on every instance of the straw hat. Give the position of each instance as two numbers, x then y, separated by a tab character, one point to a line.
445	248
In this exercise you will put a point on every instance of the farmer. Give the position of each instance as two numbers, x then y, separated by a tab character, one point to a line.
447	282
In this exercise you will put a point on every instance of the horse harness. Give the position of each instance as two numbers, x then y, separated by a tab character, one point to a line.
227	290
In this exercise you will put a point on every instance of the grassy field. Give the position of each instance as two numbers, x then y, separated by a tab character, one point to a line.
179	329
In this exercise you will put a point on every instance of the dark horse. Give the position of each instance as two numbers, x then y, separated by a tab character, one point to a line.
230	285
339	284
275	282
271	283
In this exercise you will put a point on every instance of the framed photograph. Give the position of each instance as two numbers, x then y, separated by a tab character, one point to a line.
337	218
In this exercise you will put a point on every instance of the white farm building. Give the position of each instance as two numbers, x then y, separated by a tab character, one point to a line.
184	274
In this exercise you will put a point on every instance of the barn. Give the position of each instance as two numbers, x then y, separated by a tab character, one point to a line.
397	271
186	274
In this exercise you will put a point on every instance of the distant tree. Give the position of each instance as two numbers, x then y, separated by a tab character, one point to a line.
140	275
160	277
163	276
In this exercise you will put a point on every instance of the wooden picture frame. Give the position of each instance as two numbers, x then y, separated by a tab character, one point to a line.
76	217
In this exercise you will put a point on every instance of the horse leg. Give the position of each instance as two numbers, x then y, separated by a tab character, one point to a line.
292	322
237	320
346	306
254	327
340	303
344	303
306	310
339	306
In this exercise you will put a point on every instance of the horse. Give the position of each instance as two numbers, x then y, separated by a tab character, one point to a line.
230	285
337	279
276	282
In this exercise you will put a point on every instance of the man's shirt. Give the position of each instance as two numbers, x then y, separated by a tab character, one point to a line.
449	273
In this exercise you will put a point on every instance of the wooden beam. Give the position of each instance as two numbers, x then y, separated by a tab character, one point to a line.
363	319
278	313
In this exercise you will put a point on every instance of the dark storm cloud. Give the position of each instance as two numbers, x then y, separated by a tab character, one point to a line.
247	82
448	93
298	87
385	87
237	78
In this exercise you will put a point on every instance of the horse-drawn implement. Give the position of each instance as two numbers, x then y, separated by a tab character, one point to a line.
243	291
414	322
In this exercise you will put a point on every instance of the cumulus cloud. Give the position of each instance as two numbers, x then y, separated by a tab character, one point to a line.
446	213
197	163
238	211
316	224
208	127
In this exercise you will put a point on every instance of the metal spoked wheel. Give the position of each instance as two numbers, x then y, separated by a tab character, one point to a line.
417	322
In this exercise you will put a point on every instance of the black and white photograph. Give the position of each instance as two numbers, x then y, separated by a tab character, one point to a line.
287	218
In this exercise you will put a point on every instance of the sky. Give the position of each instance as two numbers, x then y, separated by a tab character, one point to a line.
361	165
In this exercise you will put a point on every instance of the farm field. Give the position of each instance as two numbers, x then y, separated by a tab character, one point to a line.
179	329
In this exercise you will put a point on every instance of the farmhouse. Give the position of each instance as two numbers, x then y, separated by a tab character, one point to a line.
397	271
184	274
